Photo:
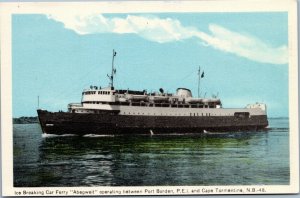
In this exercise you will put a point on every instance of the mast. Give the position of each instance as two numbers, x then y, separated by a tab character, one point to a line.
199	78
199	82
113	71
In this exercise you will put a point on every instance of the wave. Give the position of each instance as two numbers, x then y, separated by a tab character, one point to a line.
217	133
55	163
278	118
278	129
97	135
46	135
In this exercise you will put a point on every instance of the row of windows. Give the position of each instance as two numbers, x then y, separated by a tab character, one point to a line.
104	92
176	114
246	114
88	92
138	113
154	104
197	114
94	92
236	114
89	111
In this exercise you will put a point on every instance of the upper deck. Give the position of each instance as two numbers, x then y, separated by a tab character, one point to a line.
181	99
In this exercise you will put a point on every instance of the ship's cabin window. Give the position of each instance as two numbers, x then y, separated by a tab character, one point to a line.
89	92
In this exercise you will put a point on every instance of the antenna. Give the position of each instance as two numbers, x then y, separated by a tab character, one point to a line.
113	71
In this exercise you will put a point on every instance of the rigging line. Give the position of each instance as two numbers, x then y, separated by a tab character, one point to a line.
80	85
120	83
78	91
64	96
122	79
192	72
84	76
185	77
84	86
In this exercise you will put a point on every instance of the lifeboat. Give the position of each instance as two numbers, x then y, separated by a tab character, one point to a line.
140	97
215	100
128	96
211	100
159	98
136	97
122	99
193	100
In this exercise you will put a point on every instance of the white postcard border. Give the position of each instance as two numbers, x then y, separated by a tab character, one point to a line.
7	9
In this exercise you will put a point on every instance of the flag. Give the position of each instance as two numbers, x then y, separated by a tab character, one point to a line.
202	75
115	53
115	71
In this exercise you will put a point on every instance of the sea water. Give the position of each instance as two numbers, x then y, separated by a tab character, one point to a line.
235	158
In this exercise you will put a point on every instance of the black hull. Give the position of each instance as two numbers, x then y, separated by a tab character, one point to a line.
108	123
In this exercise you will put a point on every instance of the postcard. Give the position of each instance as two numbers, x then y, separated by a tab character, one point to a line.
152	98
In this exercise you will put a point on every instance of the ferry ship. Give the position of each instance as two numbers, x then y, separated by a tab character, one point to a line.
110	111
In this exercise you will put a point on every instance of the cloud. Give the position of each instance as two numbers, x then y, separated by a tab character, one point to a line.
164	30
243	45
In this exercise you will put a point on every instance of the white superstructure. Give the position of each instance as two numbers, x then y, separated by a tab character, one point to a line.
129	102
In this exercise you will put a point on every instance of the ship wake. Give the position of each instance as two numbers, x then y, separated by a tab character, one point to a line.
46	135
97	135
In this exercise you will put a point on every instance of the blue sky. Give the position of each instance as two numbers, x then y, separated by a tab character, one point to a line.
244	56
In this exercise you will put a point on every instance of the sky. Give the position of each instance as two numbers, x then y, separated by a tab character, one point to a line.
244	56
